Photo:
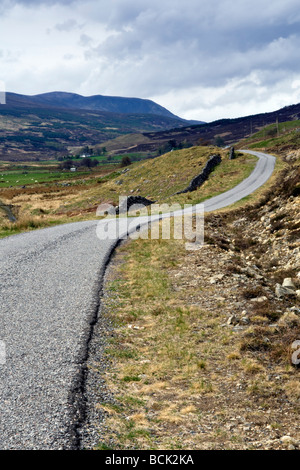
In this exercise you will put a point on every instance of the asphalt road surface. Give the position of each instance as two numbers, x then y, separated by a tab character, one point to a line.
50	284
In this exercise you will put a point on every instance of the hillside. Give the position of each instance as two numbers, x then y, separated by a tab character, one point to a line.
50	197
110	104
55	124
222	132
279	138
48	126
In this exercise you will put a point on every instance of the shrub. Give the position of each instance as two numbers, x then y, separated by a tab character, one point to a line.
126	161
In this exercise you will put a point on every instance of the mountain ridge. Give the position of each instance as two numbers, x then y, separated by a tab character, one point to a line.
47	126
99	103
228	131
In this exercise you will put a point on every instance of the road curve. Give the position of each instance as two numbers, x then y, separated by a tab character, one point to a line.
50	285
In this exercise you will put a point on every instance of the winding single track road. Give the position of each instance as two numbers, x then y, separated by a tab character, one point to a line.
50	292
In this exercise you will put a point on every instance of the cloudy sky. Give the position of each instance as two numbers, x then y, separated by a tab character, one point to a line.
201	59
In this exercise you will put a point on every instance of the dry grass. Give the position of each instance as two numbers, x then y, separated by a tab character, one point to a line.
176	370
157	179
156	354
188	374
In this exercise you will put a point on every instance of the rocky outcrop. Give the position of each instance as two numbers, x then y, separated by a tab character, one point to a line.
213	161
8	211
232	154
132	200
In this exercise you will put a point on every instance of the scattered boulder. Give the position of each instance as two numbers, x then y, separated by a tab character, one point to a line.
245	320
295	309
215	279
288	283
259	299
233	320
289	441
281	291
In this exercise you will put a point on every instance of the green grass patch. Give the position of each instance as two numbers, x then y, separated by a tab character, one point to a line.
30	177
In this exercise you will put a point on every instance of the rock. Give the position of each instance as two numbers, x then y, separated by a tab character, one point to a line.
259	299
132	200
288	283
216	278
281	291
288	440
252	272
232	154
298	293
233	320
238	328
295	309
238	222
245	320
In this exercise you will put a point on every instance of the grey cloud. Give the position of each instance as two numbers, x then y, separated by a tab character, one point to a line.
85	40
7	5
39	2
67	26
189	43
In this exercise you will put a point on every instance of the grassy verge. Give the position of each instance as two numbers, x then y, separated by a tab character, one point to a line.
158	370
26	224
182	376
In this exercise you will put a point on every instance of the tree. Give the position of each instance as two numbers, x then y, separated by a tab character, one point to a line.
89	162
126	161
66	165
87	150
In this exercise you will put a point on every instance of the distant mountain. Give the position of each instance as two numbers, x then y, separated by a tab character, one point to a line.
109	104
53	124
47	126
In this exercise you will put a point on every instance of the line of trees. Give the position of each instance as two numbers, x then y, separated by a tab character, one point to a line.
84	162
173	145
